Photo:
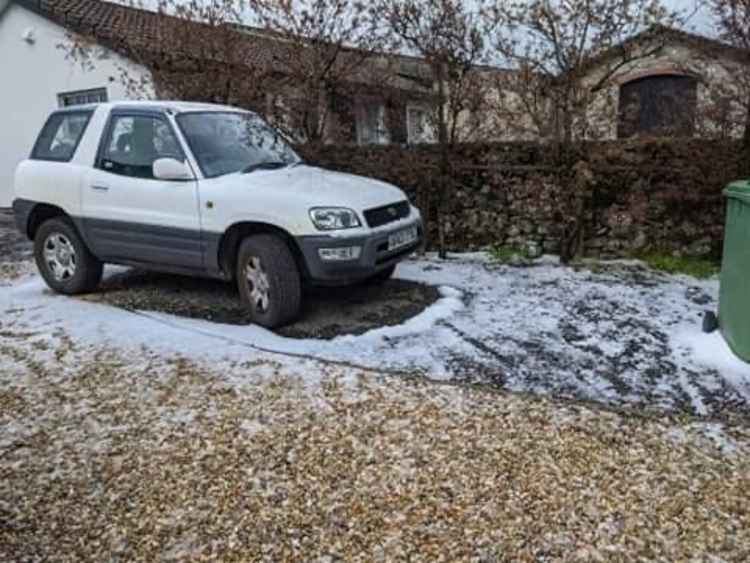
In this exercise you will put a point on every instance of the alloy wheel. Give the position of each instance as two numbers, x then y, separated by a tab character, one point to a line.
60	256
259	286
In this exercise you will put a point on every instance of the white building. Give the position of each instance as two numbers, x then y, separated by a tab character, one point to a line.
38	78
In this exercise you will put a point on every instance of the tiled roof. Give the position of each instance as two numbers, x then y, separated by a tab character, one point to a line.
104	20
672	36
126	29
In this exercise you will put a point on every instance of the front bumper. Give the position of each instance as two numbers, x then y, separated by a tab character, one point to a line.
374	257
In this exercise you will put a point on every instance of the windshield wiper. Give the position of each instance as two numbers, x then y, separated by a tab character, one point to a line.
268	165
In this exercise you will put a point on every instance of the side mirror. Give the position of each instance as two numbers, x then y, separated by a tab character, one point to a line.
171	169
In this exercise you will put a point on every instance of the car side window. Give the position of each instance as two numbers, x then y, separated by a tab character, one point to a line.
135	142
60	136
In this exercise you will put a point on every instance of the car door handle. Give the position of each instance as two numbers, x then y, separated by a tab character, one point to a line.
100	188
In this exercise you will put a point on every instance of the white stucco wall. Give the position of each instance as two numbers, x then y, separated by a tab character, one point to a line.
33	74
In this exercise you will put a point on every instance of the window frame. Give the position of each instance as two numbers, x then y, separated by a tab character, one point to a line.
65	113
116	114
89	91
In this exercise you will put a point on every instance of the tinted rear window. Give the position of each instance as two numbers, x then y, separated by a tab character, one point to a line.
60	136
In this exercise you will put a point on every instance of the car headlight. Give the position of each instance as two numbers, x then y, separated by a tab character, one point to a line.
334	218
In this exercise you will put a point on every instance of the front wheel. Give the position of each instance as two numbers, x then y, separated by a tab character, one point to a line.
268	280
64	261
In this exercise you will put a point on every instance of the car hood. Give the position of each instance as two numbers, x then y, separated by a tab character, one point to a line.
316	187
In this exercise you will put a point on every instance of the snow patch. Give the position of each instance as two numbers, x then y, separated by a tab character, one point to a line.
621	334
715	434
443	308
713	352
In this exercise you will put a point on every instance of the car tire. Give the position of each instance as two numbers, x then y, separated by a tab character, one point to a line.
268	280
63	260
382	276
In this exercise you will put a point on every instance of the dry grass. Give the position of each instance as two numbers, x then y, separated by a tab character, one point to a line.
109	457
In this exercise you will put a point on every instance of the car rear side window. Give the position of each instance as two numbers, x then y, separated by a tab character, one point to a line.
134	142
60	136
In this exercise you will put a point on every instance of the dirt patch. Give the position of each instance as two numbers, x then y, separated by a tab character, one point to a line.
16	251
327	313
14	247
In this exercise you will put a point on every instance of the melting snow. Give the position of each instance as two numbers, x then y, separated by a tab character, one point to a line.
624	335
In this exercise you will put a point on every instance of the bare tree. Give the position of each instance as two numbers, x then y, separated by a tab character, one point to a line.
326	48
572	51
567	55
733	98
450	37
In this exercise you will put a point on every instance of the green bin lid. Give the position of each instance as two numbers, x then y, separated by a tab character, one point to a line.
739	190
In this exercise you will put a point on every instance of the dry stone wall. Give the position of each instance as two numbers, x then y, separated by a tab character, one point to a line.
655	195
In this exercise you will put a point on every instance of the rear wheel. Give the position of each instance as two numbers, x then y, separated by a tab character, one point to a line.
64	261
268	280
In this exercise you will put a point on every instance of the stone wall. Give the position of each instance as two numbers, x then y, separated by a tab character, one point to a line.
652	195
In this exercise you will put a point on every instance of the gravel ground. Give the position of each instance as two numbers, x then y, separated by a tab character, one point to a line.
111	458
327	312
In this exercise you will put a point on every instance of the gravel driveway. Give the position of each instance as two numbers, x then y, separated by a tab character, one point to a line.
107	457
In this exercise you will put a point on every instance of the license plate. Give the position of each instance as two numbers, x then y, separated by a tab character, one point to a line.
402	238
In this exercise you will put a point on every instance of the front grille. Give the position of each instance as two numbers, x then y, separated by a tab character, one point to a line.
387	214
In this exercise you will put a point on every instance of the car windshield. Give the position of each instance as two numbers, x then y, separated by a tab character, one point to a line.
228	142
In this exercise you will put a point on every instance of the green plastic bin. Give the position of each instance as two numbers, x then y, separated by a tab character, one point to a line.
734	296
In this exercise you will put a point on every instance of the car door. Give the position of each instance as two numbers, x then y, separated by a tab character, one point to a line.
130	216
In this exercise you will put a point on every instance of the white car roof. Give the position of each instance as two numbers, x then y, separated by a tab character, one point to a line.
159	105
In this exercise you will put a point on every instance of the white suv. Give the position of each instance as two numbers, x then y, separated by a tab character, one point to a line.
202	190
